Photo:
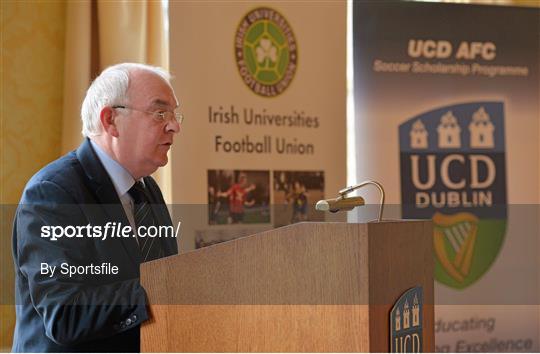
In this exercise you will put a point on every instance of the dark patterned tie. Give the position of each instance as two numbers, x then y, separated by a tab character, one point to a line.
143	213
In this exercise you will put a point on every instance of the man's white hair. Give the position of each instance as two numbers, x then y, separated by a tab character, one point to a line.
108	89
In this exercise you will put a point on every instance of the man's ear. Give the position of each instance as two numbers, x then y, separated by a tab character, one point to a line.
106	116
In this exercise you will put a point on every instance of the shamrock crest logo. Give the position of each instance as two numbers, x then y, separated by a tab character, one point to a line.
265	52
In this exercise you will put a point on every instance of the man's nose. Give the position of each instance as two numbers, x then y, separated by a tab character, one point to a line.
172	126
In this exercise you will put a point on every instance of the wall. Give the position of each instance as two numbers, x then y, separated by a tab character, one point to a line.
31	76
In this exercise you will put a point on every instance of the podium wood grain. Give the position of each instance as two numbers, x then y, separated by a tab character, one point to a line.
306	287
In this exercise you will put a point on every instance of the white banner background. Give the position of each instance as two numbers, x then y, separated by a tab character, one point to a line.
203	62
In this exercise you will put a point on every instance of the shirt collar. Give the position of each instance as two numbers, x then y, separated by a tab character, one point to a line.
121	178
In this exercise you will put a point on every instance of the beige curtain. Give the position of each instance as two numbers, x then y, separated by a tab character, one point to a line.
103	33
66	44
32	35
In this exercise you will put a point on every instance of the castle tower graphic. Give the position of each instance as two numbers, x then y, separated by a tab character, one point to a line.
398	320
419	135
449	131
406	314
481	129
415	312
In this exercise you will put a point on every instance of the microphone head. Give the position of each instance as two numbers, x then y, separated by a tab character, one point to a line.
322	205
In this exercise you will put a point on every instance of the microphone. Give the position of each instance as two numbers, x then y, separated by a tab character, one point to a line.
347	204
339	204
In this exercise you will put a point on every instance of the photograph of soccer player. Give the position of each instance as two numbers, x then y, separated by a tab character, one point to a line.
238	197
295	193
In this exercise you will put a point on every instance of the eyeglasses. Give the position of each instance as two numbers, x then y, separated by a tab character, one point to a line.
159	116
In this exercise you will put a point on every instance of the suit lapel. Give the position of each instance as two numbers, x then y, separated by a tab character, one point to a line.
105	193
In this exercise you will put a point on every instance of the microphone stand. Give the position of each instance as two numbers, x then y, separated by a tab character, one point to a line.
343	193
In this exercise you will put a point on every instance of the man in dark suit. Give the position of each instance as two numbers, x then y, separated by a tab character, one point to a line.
83	293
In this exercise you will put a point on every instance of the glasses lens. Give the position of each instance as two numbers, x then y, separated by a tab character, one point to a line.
179	117
159	116
168	116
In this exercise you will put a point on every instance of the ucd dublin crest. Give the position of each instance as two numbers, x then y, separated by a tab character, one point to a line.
406	334
453	171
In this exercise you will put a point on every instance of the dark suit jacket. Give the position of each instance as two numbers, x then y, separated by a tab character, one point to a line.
88	313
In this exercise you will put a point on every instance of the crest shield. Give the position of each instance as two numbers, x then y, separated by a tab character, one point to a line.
452	162
406	316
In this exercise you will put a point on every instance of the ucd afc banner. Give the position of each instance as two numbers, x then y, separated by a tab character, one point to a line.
453	171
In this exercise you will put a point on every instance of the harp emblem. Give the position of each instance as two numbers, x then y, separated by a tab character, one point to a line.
454	242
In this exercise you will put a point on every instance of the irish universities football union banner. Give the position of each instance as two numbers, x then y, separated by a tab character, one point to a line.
447	118
262	86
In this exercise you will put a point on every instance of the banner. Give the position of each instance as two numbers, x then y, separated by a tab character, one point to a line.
447	119
262	86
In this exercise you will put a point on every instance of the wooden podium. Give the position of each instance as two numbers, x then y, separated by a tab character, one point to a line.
307	287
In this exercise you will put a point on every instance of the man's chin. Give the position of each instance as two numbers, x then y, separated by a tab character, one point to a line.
156	165
163	161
